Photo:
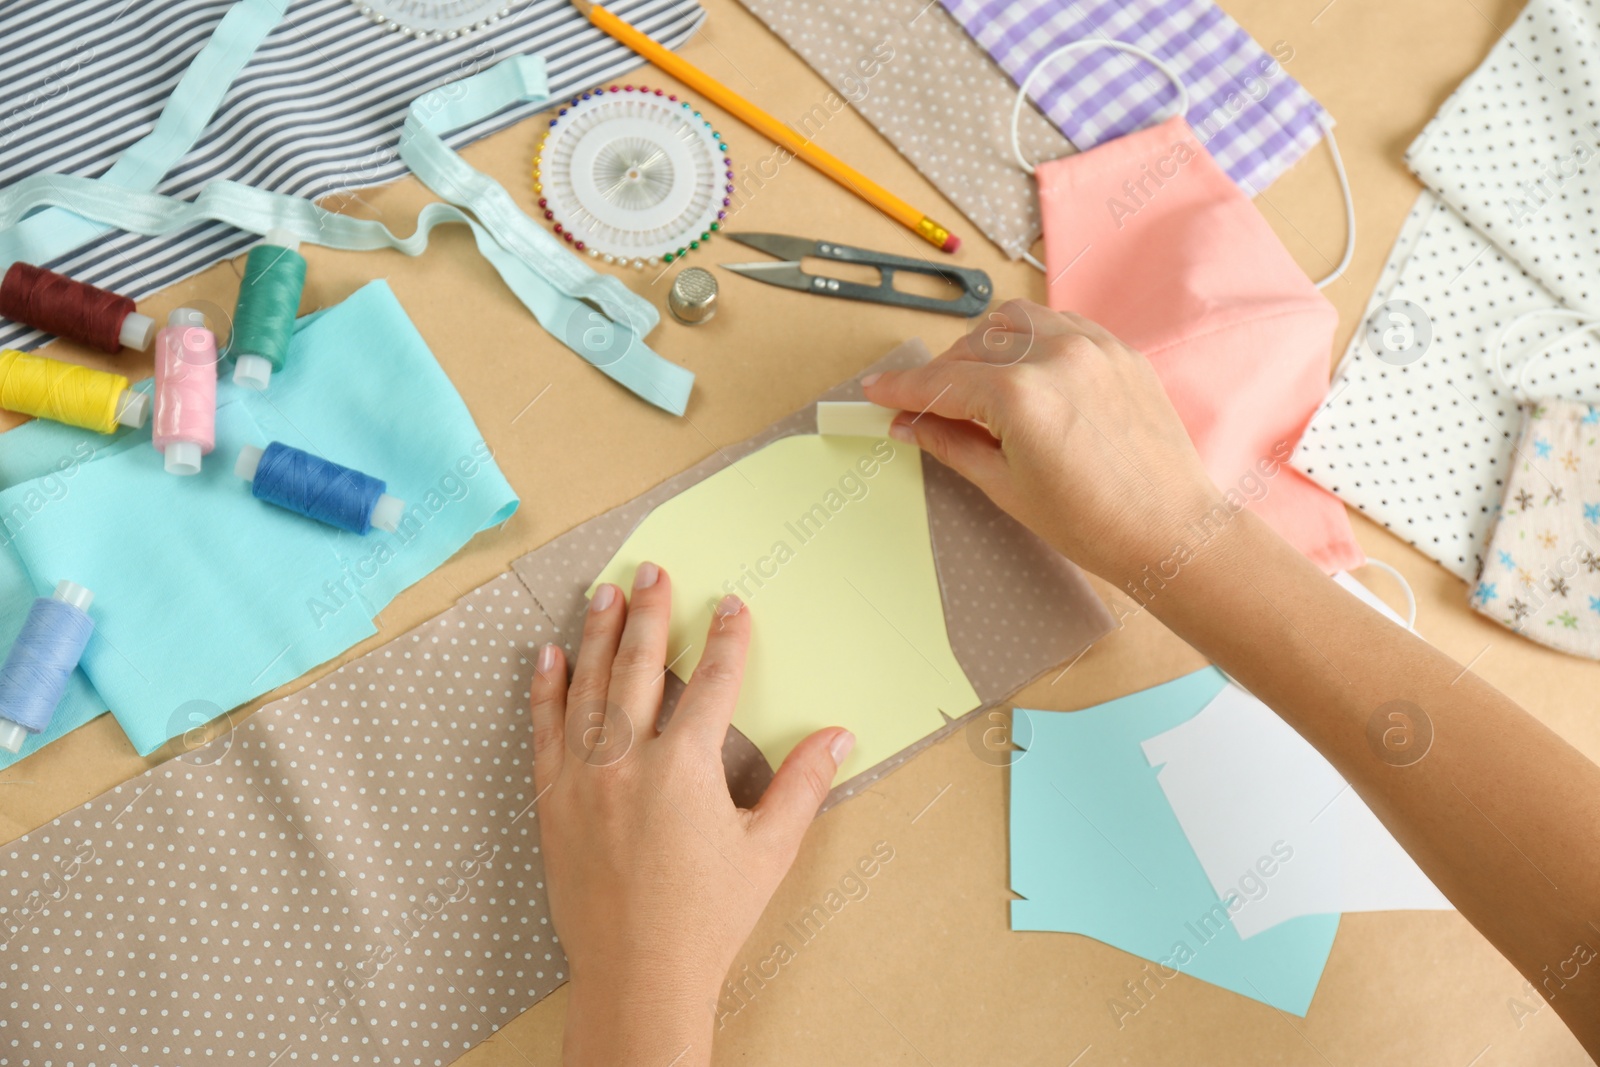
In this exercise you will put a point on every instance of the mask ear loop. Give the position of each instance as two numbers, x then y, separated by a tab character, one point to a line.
1083	46
1405	587
1349	211
1519	385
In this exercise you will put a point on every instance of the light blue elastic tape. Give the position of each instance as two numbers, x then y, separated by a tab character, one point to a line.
49	235
560	290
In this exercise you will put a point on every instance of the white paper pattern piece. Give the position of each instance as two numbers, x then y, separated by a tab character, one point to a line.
1274	823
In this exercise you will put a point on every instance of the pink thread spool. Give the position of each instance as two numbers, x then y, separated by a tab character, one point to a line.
185	426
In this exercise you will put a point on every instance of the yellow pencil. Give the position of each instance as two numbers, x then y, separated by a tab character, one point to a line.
753	116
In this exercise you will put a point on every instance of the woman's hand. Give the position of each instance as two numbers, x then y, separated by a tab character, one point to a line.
1063	426
656	878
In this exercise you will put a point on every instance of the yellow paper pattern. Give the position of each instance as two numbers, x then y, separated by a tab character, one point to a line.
826	539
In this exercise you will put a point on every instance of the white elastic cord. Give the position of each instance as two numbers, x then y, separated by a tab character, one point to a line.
1027	257
1519	386
1405	586
1349	213
1082	46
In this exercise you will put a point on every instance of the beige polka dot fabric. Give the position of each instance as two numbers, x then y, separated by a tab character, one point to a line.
910	69
351	876
1014	608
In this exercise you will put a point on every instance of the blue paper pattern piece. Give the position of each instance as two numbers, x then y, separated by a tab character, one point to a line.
202	592
1096	850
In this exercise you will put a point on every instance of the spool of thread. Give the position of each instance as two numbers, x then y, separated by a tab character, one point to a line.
269	298
47	650
186	391
65	392
54	302
318	488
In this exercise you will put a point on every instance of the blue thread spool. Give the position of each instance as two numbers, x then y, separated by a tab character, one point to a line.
43	658
318	489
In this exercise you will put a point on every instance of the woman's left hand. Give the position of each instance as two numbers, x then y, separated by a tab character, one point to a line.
655	877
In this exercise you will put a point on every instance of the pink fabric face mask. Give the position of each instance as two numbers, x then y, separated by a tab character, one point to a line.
1147	236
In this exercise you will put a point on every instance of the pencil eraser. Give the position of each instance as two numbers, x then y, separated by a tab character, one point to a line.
951	243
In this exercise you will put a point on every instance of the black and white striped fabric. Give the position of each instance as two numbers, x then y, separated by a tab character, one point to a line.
317	112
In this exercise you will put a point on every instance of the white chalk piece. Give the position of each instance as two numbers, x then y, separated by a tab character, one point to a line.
853	418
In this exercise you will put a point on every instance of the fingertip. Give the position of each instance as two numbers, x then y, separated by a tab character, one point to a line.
877	385
605	596
646	576
901	429
840	745
550	661
731	617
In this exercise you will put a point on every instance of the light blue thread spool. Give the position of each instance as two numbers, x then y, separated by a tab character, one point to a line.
42	660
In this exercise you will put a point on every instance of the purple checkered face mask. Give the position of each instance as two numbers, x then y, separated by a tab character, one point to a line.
1254	119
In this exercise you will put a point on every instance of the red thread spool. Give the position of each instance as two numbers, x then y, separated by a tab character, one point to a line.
81	312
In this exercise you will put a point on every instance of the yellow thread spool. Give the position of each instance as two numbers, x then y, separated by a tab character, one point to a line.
65	392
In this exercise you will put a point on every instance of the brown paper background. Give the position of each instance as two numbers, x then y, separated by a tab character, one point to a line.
924	971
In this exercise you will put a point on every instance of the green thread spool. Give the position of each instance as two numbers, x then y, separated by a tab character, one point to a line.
269	299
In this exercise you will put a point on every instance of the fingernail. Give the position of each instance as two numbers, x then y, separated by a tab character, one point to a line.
603	598
841	746
547	658
728	606
902	431
646	575
870	379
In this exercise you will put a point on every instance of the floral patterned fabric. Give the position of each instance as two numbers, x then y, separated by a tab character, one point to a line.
1541	573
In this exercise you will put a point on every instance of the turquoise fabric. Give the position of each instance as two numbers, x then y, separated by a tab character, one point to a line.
202	592
1096	850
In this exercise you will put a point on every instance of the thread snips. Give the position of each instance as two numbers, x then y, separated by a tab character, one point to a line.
976	288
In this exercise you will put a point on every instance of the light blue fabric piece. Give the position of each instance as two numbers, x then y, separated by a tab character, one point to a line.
204	593
54	232
49	455
1096	850
594	315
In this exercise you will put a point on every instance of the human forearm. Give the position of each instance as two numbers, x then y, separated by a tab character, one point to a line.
647	1023
1076	438
1500	813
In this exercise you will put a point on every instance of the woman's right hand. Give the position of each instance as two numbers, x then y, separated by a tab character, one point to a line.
1064	427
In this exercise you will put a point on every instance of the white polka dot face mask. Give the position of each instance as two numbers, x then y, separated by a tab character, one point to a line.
1419	425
